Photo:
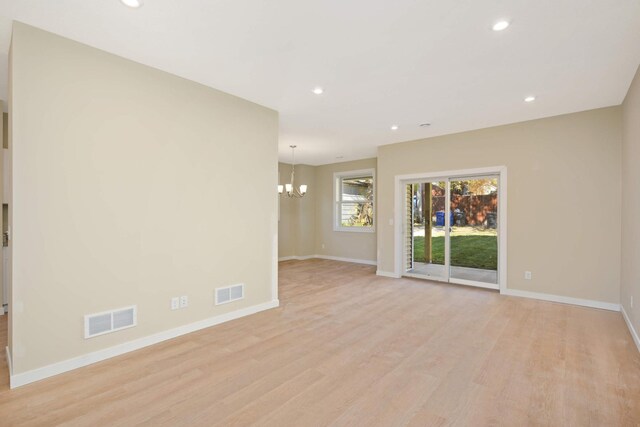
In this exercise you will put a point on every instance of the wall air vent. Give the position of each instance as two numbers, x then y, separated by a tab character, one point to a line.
229	294
110	321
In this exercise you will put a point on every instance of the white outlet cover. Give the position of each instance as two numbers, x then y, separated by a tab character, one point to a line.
184	301
527	275
175	303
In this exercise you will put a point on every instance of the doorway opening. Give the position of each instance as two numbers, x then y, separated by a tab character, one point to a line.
453	227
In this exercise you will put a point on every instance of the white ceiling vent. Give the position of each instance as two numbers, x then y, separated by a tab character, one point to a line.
229	294
110	321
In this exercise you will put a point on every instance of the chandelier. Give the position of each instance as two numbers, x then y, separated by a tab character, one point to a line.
290	189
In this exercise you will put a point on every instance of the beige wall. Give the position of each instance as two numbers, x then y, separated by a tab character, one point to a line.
296	230
343	244
286	220
305	211
630	273
5	130
130	186
563	196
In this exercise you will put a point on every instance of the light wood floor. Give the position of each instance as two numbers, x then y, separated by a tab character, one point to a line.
349	348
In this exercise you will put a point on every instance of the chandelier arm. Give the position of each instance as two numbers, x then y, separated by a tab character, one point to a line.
295	192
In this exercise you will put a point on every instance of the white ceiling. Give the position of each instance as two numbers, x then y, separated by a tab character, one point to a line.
381	62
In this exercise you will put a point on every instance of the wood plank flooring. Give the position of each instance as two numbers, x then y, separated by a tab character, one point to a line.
348	348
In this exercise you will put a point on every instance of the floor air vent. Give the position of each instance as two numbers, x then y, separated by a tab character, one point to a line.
229	294
109	321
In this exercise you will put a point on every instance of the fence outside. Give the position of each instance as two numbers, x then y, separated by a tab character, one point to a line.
470	209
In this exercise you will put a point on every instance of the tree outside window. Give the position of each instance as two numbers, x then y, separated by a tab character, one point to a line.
355	201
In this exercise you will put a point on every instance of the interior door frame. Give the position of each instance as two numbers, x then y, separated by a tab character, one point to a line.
399	230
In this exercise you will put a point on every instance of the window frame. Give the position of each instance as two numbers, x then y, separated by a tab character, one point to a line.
338	177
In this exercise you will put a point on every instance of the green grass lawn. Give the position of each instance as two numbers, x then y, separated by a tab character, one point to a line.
466	251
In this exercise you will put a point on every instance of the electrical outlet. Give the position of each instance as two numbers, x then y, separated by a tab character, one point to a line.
527	275
175	303
323	246
184	301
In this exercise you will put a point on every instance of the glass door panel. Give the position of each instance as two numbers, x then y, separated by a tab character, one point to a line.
428	202
474	229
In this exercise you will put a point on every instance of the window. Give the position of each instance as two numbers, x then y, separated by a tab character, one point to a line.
354	197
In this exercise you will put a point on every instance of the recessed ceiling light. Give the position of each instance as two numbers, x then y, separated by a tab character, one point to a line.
530	98
318	90
500	25
394	127
132	3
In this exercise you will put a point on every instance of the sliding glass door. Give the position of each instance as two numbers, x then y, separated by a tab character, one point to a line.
451	229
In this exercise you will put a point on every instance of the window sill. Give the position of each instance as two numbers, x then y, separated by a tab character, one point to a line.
356	229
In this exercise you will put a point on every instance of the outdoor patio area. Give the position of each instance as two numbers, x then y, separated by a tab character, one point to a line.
474	253
465	273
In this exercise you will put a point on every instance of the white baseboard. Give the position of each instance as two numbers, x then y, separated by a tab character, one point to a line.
387	274
354	260
296	257
23	378
333	258
561	299
634	333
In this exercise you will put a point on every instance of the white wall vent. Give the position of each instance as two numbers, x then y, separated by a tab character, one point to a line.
110	321
229	294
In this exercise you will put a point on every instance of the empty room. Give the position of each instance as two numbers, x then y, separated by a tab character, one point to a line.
320	213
